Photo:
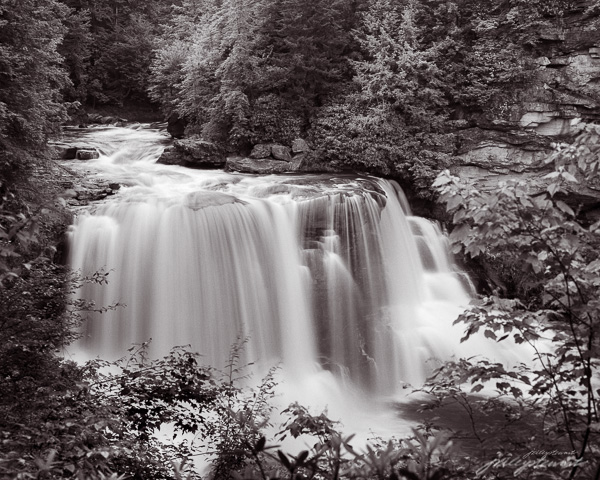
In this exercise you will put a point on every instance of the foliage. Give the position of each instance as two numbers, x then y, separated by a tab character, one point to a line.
96	421
390	119
371	84
76	50
30	76
254	71
108	48
108	420
556	248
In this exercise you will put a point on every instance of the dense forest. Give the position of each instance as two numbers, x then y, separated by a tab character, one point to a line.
374	86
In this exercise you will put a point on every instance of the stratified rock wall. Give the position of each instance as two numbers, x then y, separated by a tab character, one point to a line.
563	97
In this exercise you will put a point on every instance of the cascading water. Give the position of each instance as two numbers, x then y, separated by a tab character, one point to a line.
321	273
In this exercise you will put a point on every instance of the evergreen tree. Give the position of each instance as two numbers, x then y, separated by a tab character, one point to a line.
76	49
255	71
399	72
391	120
109	47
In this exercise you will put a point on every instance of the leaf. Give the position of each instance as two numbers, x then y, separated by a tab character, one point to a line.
568	177
490	334
260	445
302	456
553	188
477	388
461	233
565	208
551	175
284	460
453	202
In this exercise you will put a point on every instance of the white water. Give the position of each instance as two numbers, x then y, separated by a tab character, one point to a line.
328	276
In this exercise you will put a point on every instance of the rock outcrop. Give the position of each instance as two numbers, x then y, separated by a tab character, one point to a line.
104	119
272	158
79	191
562	99
68	151
263	166
193	152
176	126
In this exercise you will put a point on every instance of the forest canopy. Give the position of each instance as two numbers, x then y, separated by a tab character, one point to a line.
374	86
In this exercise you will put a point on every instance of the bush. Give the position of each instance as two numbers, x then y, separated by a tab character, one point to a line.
556	247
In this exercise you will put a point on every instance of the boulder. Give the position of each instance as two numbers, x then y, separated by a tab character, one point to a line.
67	151
255	165
63	151
261	150
299	145
169	156
309	162
94	118
176	126
202	199
88	154
281	152
194	153
299	161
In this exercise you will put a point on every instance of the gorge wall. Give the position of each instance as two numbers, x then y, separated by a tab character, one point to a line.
561	99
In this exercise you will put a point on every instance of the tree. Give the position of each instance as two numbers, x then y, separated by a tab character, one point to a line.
30	72
253	71
390	119
83	422
76	50
108	47
31	80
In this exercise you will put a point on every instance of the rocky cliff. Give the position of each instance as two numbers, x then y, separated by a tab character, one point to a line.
562	97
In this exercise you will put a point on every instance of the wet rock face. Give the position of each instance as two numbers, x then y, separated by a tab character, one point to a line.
203	199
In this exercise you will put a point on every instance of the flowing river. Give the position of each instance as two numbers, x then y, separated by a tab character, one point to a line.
329	276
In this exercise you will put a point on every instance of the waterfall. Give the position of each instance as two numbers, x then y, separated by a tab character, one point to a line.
319	273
